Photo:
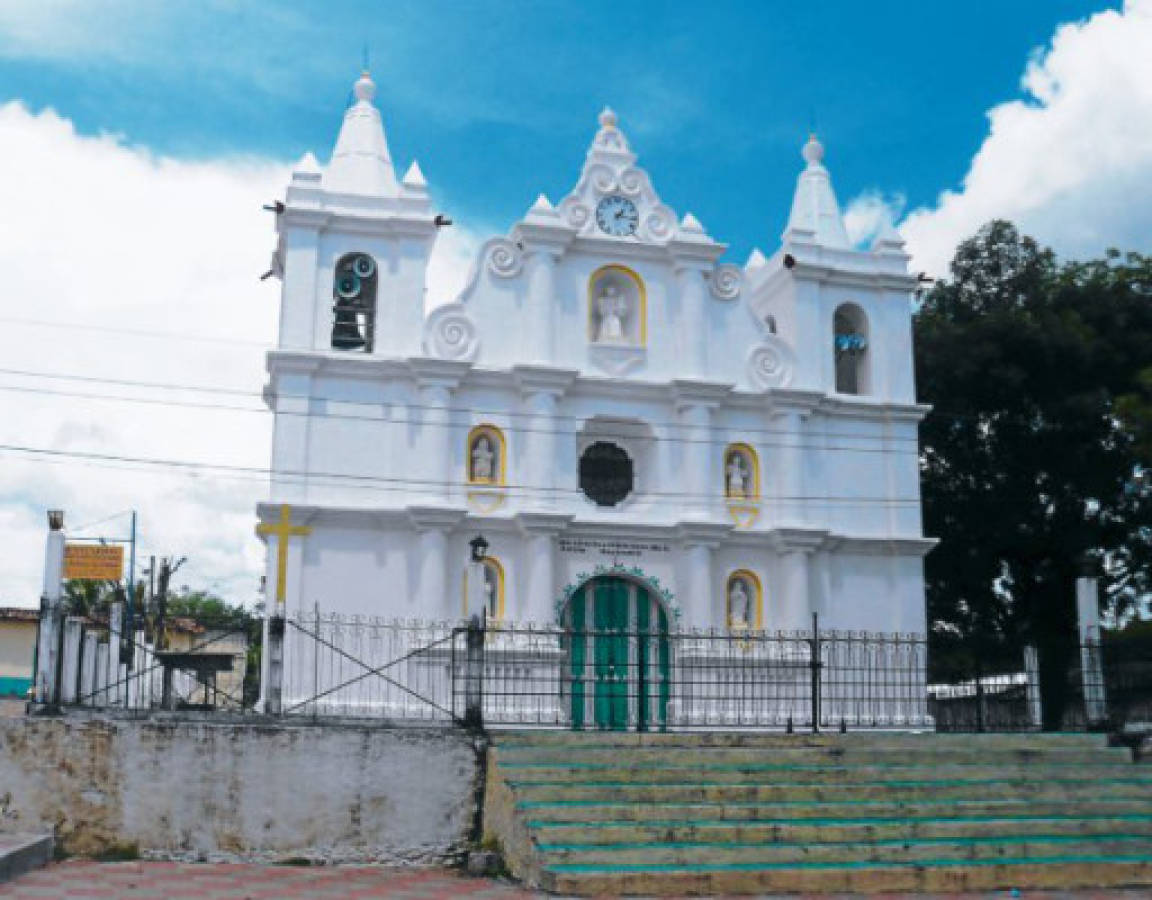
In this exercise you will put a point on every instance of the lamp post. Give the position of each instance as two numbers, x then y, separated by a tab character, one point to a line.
477	612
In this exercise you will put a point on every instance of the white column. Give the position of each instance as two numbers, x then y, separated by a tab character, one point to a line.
47	650
696	434
70	668
436	439
88	669
115	626
538	337
787	430
541	587
1091	667
432	599
694	327
698	604
540	438
794	605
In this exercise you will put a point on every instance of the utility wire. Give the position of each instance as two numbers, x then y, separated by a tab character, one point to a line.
397	484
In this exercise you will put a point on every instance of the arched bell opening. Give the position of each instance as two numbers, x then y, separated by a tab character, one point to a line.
354	303
619	659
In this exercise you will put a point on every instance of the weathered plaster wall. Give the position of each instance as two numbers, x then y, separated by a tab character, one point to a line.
209	790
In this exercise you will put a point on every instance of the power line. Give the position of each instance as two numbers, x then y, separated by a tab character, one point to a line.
136	332
396	484
806	440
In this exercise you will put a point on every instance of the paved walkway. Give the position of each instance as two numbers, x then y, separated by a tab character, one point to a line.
82	880
186	881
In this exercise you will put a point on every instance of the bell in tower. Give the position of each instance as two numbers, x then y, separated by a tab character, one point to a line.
354	309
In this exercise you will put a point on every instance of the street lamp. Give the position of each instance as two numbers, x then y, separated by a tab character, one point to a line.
479	548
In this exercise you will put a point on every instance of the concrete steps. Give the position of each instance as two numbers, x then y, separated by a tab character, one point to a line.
20	853
598	813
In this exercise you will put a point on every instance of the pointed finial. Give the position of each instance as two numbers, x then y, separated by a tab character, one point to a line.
365	87
813	151
607	118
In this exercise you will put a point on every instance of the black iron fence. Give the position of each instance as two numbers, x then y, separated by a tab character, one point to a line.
517	674
693	679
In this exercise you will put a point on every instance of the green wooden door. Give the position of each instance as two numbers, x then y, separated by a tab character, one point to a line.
611	653
618	656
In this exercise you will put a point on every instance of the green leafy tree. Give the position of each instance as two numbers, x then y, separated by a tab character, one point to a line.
1029	456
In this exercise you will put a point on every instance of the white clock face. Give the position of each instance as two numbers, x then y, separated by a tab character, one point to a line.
617	216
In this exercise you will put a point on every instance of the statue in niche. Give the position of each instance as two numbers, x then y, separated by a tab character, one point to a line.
612	307
483	459
491	602
739	604
737	476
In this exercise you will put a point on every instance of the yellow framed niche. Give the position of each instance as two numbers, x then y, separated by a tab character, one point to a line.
743	601
494	591
486	467
742	484
617	308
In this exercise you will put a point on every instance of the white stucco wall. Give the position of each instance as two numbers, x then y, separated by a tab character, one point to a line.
189	789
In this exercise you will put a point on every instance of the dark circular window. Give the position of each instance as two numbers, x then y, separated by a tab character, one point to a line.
605	474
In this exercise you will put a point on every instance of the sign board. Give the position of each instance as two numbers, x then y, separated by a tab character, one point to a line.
93	562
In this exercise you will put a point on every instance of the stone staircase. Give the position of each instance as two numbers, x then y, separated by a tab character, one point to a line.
616	813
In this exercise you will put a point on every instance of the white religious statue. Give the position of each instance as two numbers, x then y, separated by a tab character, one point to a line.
612	307
483	459
737	476
490	593
739	604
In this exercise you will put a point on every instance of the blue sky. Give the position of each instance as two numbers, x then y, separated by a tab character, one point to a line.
497	100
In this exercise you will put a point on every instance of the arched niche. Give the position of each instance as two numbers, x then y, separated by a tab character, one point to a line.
354	285
850	347
617	308
743	601
494	591
486	456
741	472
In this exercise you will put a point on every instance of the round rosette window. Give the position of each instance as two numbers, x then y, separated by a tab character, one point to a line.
606	473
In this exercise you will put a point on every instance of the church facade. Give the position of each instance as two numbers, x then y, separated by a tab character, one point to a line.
606	401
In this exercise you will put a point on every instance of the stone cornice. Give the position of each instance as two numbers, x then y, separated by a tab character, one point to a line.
798	539
543	379
533	524
708	534
442	518
692	392
432	372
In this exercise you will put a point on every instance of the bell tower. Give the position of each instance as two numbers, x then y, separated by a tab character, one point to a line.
353	244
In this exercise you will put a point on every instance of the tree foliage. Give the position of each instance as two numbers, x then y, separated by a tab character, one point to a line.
1038	375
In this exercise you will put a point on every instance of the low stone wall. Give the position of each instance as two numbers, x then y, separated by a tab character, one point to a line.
194	789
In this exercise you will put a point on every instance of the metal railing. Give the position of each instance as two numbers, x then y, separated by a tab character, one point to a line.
691	679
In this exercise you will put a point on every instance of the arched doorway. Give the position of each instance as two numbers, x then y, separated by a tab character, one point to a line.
619	660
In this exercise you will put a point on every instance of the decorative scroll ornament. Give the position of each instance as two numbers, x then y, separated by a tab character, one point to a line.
450	333
632	182
660	224
602	178
771	363
576	213
504	258
727	280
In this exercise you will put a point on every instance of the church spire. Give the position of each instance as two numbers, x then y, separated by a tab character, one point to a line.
815	216
361	163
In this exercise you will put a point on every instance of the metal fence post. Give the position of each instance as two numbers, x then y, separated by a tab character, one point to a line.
274	647
474	675
814	665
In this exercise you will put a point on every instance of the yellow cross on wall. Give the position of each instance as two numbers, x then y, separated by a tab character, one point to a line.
283	530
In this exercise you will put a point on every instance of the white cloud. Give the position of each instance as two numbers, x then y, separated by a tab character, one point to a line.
1071	163
867	213
100	237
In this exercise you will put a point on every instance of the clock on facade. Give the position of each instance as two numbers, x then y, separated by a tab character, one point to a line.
617	216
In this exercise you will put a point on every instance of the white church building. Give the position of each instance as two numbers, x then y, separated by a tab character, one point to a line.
631	423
